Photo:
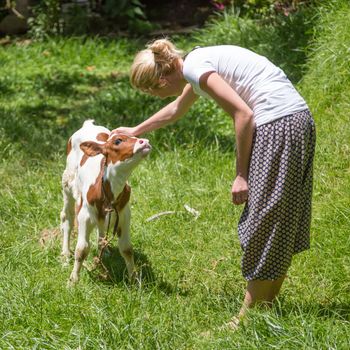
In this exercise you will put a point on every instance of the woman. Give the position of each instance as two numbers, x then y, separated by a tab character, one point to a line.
275	140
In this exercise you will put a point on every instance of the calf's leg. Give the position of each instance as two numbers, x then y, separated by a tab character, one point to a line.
124	243
83	246
67	216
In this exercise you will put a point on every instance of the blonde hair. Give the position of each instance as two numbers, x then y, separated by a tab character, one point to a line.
158	59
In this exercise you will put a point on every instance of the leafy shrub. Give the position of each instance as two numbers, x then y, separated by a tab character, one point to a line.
327	79
54	17
129	14
283	39
124	10
46	20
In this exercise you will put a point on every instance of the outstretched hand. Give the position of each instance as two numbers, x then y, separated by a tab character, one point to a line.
124	130
239	190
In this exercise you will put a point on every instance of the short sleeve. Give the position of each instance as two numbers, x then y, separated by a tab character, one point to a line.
195	65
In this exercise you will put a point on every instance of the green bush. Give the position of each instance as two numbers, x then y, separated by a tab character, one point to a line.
46	20
55	17
129	14
327	79
283	39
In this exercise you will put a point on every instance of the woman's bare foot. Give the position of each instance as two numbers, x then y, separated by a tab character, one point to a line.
234	323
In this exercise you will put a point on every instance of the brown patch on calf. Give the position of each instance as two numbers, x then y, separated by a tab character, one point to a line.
107	188
95	195
102	199
123	198
69	146
102	136
119	152
81	254
83	160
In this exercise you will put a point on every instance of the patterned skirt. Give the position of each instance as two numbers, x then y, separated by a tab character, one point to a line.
275	223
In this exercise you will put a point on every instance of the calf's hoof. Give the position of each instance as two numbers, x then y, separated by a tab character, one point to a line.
65	259
135	279
73	280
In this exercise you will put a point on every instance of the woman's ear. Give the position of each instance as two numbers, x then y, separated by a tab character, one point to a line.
163	81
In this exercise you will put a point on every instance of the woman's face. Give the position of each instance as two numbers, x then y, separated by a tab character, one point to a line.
165	91
170	85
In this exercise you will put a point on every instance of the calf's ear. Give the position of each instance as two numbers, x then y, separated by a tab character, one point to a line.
91	148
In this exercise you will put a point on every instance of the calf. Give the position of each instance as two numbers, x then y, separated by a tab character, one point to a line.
98	166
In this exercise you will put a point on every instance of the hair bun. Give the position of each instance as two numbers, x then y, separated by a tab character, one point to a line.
164	50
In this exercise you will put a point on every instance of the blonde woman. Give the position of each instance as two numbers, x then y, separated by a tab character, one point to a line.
275	140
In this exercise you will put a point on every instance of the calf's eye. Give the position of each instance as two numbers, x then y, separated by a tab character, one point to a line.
118	141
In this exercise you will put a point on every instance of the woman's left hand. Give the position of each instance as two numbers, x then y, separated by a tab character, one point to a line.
124	130
239	190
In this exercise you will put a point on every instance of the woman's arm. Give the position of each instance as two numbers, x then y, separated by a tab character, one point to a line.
244	125
168	114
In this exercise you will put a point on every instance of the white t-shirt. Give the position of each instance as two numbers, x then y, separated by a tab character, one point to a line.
263	86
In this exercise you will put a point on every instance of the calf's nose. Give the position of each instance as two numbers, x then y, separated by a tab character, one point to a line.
143	141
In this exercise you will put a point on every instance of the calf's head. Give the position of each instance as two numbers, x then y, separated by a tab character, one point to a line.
121	151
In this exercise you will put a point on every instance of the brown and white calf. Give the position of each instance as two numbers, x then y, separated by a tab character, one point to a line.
98	166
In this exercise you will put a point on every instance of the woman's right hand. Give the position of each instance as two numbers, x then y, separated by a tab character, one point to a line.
124	130
239	190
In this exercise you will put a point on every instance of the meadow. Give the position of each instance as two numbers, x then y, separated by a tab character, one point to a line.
191	282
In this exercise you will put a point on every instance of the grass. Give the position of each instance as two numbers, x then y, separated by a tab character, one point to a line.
191	279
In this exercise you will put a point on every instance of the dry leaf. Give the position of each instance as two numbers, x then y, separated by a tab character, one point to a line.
48	235
194	212
157	216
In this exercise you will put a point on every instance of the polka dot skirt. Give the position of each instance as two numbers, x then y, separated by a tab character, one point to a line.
275	223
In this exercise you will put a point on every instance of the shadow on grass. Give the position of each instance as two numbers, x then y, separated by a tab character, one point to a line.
68	84
116	267
55	106
42	128
5	89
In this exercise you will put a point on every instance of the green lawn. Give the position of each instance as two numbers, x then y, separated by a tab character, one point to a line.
191	281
